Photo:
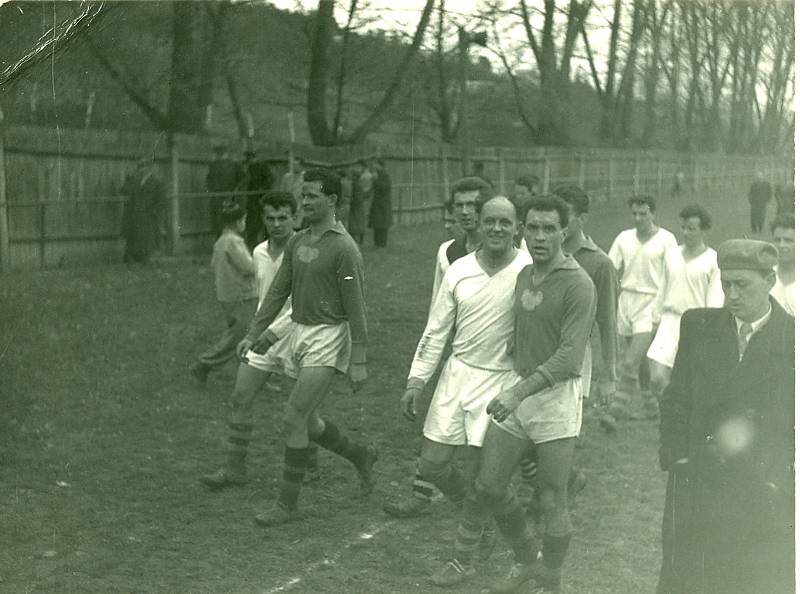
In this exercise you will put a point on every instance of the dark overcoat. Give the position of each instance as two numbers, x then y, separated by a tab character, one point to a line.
142	216
380	213
728	520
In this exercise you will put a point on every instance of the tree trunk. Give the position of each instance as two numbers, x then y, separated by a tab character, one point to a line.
185	110
318	76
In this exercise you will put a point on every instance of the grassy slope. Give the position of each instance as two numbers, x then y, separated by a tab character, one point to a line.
94	393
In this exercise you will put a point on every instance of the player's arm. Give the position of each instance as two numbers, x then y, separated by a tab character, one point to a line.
430	348
676	404
239	258
276	296
606	285
615	253
350	279
661	295
437	276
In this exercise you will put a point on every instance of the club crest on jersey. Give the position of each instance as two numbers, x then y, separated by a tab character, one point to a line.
530	299
307	254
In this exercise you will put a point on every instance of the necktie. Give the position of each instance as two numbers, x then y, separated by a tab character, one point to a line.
744	331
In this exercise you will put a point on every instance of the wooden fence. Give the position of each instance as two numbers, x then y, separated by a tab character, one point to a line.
60	202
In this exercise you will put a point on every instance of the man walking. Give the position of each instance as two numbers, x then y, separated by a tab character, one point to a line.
727	438
380	212
759	195
783	238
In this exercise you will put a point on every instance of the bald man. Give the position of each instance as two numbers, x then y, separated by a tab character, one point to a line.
474	305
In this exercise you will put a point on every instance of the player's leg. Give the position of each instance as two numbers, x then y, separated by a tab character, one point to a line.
249	380
237	316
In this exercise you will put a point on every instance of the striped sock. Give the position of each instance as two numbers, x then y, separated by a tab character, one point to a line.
239	436
422	489
295	461
333	440
313	458
528	467
470	527
510	519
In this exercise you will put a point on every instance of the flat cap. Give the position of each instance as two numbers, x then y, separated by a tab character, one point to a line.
746	254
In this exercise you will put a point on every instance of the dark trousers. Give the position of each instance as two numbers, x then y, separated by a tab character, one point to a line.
380	236
758	212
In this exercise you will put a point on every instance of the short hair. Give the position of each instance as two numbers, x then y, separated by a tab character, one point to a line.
529	181
695	210
331	182
449	205
643	200
379	161
575	196
472	184
231	212
549	203
277	199
783	221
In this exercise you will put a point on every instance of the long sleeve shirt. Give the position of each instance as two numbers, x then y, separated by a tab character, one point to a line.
641	265
442	264
553	322
325	277
689	284
266	271
476	309
233	268
601	270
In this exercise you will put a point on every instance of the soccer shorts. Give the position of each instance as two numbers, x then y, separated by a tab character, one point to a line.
457	413
322	345
635	313
665	344
554	413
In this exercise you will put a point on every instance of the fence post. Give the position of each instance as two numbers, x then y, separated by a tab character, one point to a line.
174	231
445	173
5	256
610	177
546	175
501	165
636	171
659	174
581	171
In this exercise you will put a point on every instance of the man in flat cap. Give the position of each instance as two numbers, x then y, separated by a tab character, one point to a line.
727	438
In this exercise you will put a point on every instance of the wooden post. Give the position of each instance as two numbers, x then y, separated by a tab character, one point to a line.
5	256
581	171
445	172
174	231
610	177
501	165
42	234
636	171
659	175
546	176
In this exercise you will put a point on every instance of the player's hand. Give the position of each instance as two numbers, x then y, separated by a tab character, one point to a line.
242	348
262	344
606	390
358	375
408	403
502	405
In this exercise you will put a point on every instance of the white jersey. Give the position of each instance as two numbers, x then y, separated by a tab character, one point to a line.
266	270
689	284
641	265
783	294
478	310
442	264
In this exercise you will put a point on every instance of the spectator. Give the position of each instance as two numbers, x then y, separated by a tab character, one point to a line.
759	195
224	175
343	205
380	213
292	182
259	181
783	239
362	199
478	171
142	215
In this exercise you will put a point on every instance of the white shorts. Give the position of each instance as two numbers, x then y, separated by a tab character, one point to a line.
635	313
665	344
555	413
457	413
306	346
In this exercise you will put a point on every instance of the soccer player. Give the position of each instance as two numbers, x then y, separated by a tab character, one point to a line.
783	238
639	257
554	308
691	280
323	271
278	216
464	197
474	305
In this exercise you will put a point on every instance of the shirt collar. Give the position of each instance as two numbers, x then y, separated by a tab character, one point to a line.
569	263
758	324
587	244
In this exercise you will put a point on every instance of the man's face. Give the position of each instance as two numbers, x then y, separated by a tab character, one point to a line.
691	232
643	218
464	209
278	221
451	225
316	205
520	194
746	293
498	223
543	234
783	238
575	225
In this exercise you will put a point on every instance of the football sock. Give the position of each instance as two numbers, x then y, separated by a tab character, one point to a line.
333	440
421	489
313	459
510	519
554	550
239	436
468	535
295	461
528	466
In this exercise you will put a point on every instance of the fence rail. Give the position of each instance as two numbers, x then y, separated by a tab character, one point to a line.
59	189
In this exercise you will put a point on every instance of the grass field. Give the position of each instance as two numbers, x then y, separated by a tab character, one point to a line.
103	436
